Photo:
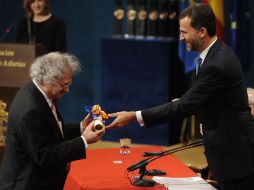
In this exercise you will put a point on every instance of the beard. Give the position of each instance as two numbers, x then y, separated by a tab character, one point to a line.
194	45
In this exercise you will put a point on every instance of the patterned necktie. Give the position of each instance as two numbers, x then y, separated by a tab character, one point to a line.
53	108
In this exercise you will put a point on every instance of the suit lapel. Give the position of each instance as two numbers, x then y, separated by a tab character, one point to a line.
210	53
212	50
44	104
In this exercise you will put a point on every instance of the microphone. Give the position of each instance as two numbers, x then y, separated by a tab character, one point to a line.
162	153
8	30
141	165
130	168
197	143
154	172
145	154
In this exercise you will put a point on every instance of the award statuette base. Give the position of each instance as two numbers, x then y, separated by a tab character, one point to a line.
98	124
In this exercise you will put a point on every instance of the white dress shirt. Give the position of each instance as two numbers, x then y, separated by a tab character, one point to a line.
202	56
50	103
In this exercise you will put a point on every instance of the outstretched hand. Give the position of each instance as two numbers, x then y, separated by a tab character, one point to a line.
250	92
121	119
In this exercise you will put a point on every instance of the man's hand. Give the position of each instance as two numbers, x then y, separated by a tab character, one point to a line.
86	121
122	119
250	92
91	135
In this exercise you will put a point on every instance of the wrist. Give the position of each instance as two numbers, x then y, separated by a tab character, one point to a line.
133	116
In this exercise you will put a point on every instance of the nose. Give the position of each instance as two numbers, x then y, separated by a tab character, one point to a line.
36	2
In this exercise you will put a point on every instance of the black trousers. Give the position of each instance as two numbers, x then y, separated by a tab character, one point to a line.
245	183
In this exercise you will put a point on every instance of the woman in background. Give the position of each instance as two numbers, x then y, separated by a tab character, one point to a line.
41	26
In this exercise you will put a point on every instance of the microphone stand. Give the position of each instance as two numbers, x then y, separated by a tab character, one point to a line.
8	30
141	181
141	165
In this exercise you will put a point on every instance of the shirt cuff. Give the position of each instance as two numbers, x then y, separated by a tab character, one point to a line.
139	118
86	144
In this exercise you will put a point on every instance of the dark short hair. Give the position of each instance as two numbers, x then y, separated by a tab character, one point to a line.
201	15
28	10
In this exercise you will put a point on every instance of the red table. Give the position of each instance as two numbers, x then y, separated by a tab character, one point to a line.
98	171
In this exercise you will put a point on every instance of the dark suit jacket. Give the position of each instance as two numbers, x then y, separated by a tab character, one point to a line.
219	99
36	153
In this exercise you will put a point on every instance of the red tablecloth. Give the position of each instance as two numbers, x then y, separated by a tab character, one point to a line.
99	172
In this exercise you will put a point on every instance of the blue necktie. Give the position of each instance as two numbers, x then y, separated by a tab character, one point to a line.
198	65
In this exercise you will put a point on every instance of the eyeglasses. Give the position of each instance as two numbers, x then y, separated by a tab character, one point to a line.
64	85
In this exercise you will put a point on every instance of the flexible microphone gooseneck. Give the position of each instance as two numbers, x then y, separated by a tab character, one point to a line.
141	165
162	153
8	30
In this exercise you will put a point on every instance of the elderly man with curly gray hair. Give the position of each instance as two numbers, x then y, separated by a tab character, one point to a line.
39	145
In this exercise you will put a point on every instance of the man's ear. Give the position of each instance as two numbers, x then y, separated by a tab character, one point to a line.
203	32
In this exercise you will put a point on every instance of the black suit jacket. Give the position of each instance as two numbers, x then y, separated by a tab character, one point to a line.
36	153
219	99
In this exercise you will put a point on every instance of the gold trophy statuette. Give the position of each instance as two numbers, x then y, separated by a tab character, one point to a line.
98	116
119	14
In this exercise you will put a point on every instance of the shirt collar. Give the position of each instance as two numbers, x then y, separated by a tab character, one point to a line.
49	101
204	53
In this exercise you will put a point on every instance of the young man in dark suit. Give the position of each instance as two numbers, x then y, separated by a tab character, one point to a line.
218	97
39	146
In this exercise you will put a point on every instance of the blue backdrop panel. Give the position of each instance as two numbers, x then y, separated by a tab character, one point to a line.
135	74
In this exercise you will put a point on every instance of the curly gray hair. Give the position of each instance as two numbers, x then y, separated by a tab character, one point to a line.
50	67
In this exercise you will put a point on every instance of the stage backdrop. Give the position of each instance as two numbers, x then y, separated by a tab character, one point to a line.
138	74
88	21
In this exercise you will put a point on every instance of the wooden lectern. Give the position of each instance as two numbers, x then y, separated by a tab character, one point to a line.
15	61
